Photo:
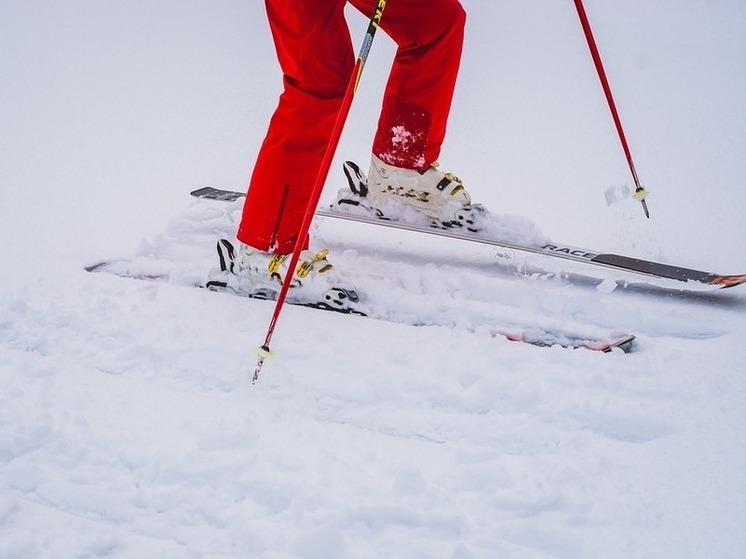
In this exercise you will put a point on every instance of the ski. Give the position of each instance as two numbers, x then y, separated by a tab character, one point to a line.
620	263
536	336
623	342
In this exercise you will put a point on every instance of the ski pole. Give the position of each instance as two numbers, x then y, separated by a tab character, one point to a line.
264	351
640	193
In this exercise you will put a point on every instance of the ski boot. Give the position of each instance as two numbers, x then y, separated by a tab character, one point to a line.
430	197
254	273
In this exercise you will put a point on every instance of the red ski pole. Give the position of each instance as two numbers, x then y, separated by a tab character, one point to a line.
326	163
640	192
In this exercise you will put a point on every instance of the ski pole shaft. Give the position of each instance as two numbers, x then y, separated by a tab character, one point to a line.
640	192
321	177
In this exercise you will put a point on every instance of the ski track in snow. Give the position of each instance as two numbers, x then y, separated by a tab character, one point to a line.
134	427
410	278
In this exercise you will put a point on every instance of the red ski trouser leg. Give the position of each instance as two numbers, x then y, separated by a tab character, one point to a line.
418	95
316	56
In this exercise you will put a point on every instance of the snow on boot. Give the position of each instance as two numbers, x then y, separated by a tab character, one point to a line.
254	273
428	197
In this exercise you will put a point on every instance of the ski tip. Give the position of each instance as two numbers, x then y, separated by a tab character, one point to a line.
728	281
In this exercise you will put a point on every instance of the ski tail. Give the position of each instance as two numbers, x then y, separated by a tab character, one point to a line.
212	193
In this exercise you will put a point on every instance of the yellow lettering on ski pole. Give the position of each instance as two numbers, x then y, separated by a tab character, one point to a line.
379	13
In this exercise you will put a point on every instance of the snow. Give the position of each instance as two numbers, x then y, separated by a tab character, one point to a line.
128	424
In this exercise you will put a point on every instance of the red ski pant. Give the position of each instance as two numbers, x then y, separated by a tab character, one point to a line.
316	55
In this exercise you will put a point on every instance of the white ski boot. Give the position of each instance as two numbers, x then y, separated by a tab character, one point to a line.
254	273
429	197
430	190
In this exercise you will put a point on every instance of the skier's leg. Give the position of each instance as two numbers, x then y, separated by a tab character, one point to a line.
416	105
315	53
417	100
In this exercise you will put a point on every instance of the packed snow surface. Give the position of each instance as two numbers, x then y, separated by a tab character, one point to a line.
129	427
